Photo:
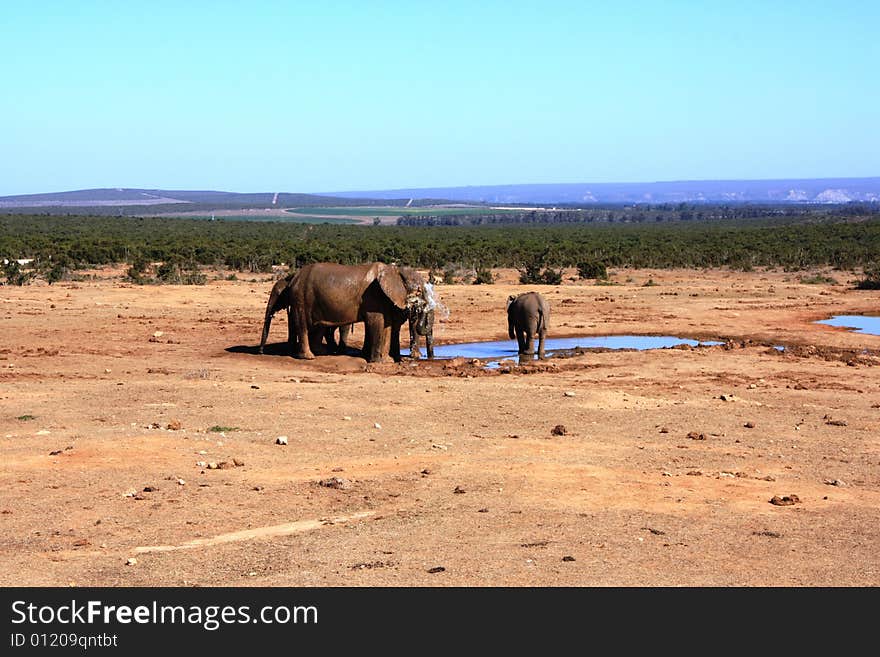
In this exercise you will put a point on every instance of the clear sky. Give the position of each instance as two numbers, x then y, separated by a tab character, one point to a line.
336	96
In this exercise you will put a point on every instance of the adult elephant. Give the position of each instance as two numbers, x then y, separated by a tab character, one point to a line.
527	317
383	297
279	299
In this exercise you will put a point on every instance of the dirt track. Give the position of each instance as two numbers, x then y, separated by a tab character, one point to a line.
441	464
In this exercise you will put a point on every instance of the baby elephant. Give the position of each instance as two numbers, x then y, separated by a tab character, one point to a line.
527	316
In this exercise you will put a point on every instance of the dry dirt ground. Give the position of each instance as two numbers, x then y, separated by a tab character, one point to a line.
114	399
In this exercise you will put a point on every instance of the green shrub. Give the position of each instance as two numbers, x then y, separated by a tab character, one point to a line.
871	281
484	277
592	269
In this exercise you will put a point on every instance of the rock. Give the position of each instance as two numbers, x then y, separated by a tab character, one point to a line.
201	464
664	430
436	569
346	417
377	425
749	425
459	490
131	561
426	471
174	425
834	482
695	473
43	432
55	452
158	334
281	440
181	482
693	435
255	387
569	393
785	500
213	466
150	489
559	430
836	423
726	397
238	463
484	510
568	558
336	482
225	465
438	446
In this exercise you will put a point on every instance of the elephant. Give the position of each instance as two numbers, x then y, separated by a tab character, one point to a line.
325	295
422	323
527	316
279	299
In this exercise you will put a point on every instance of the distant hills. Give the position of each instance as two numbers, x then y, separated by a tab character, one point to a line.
816	190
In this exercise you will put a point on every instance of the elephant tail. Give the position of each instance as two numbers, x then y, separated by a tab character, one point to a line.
542	320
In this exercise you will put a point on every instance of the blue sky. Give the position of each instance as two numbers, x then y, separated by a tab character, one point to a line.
335	96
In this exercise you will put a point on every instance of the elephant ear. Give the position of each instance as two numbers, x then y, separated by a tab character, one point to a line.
392	285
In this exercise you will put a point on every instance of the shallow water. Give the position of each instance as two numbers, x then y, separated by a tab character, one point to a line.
858	323
507	349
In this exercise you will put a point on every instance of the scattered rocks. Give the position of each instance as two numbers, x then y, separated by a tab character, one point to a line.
338	483
281	440
559	430
693	435
785	500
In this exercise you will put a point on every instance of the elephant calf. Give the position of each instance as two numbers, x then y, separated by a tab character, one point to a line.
422	323
527	316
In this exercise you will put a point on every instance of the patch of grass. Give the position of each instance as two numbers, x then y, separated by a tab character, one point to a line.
25	418
218	429
818	279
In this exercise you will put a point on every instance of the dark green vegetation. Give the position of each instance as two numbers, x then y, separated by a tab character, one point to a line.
844	240
25	418
221	429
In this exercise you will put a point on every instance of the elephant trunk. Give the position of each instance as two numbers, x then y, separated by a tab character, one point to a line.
272	307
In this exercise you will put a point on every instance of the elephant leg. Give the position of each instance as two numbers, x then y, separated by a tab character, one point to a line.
291	333
521	340
413	341
530	343
429	344
377	335
341	346
302	334
394	345
541	335
330	337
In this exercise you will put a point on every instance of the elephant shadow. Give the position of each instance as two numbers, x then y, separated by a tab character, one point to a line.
282	349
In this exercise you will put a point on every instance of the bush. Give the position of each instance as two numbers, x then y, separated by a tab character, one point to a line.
484	277
871	281
14	275
592	269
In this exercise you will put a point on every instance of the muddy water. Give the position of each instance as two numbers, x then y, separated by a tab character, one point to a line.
495	352
858	323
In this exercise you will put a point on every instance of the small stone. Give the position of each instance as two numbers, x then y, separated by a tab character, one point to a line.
695	473
377	425
131	561
346	417
568	558
107	370
174	425
213	466
55	452
483	510
158	334
237	463
459	490
559	430
693	435
150	489
664	430
569	393
225	465
281	440
438	446
201	464
426	471
43	432
836	423
834	482
436	569
726	397
255	387
749	425
181	482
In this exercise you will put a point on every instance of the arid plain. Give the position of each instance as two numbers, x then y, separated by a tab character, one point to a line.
116	400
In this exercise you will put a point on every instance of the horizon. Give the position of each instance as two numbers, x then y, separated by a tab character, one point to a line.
395	95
